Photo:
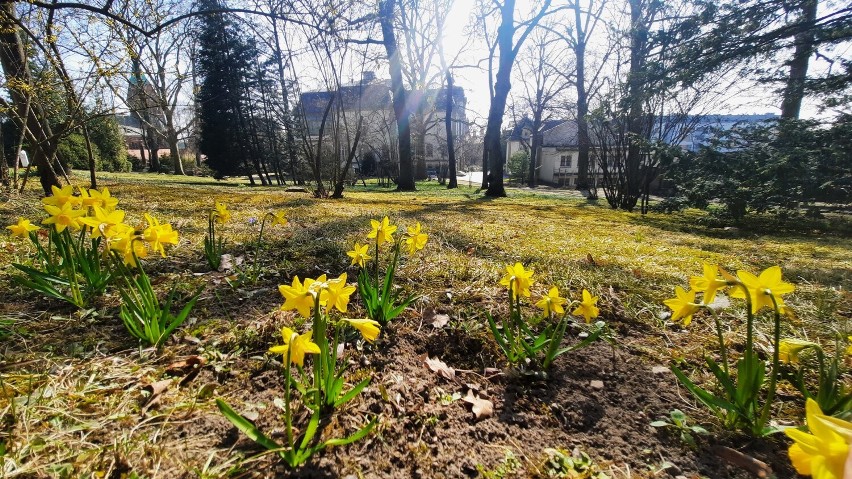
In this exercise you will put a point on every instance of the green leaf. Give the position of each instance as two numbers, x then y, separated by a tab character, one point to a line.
246	426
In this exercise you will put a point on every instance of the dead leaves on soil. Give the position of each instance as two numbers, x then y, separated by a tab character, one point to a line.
482	408
439	367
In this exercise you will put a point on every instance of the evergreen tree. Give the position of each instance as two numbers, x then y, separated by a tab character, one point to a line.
224	63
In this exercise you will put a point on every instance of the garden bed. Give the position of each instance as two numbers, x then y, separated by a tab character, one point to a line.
77	396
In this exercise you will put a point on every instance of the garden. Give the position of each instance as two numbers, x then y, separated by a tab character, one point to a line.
178	327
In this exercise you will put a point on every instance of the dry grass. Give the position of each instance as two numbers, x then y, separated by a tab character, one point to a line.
71	382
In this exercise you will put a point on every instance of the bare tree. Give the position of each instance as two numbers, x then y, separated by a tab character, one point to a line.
507	47
539	72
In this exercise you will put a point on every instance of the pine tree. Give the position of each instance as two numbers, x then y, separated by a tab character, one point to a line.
224	63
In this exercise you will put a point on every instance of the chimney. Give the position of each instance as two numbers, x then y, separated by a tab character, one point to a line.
368	77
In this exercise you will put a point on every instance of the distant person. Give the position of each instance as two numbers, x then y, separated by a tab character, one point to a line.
23	159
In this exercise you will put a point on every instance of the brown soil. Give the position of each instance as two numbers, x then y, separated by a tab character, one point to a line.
419	435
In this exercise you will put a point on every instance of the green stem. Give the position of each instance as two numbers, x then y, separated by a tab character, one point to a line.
770	395
723	350
259	248
287	413
322	343
376	265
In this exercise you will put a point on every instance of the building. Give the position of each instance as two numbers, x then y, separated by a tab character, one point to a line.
557	159
372	99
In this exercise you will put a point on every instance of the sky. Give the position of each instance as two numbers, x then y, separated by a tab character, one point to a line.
741	95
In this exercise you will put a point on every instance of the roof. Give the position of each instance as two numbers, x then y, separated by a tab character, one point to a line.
374	97
562	135
526	123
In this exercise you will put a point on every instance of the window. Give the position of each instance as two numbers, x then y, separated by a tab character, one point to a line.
565	161
429	150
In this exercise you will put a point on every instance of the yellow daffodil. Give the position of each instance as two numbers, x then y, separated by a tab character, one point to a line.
61	196
64	216
709	283
763	288
382	231
336	294
98	198
221	214
588	307
297	344
789	349
102	221
551	302
518	280
359	255
369	329
298	296
128	244
849	347
822	453
157	234
683	306
279	218
22	229
415	240
87	200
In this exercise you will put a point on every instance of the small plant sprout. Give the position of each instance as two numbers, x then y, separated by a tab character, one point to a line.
571	465
382	300
214	246
679	421
535	342
738	404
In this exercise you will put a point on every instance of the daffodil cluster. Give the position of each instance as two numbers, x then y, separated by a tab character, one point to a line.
95	216
518	338
381	300
759	291
738	404
315	299
820	376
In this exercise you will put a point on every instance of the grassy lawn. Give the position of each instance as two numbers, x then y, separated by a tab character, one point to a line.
73	383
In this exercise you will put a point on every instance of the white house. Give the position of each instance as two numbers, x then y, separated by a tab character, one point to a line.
557	156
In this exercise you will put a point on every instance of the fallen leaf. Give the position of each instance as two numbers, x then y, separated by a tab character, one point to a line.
151	393
440	367
229	262
482	408
185	366
435	319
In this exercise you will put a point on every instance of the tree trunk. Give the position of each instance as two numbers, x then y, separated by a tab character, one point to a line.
31	119
448	124
794	91
635	120
92	167
403	126
536	142
505	40
174	152
583	143
4	165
